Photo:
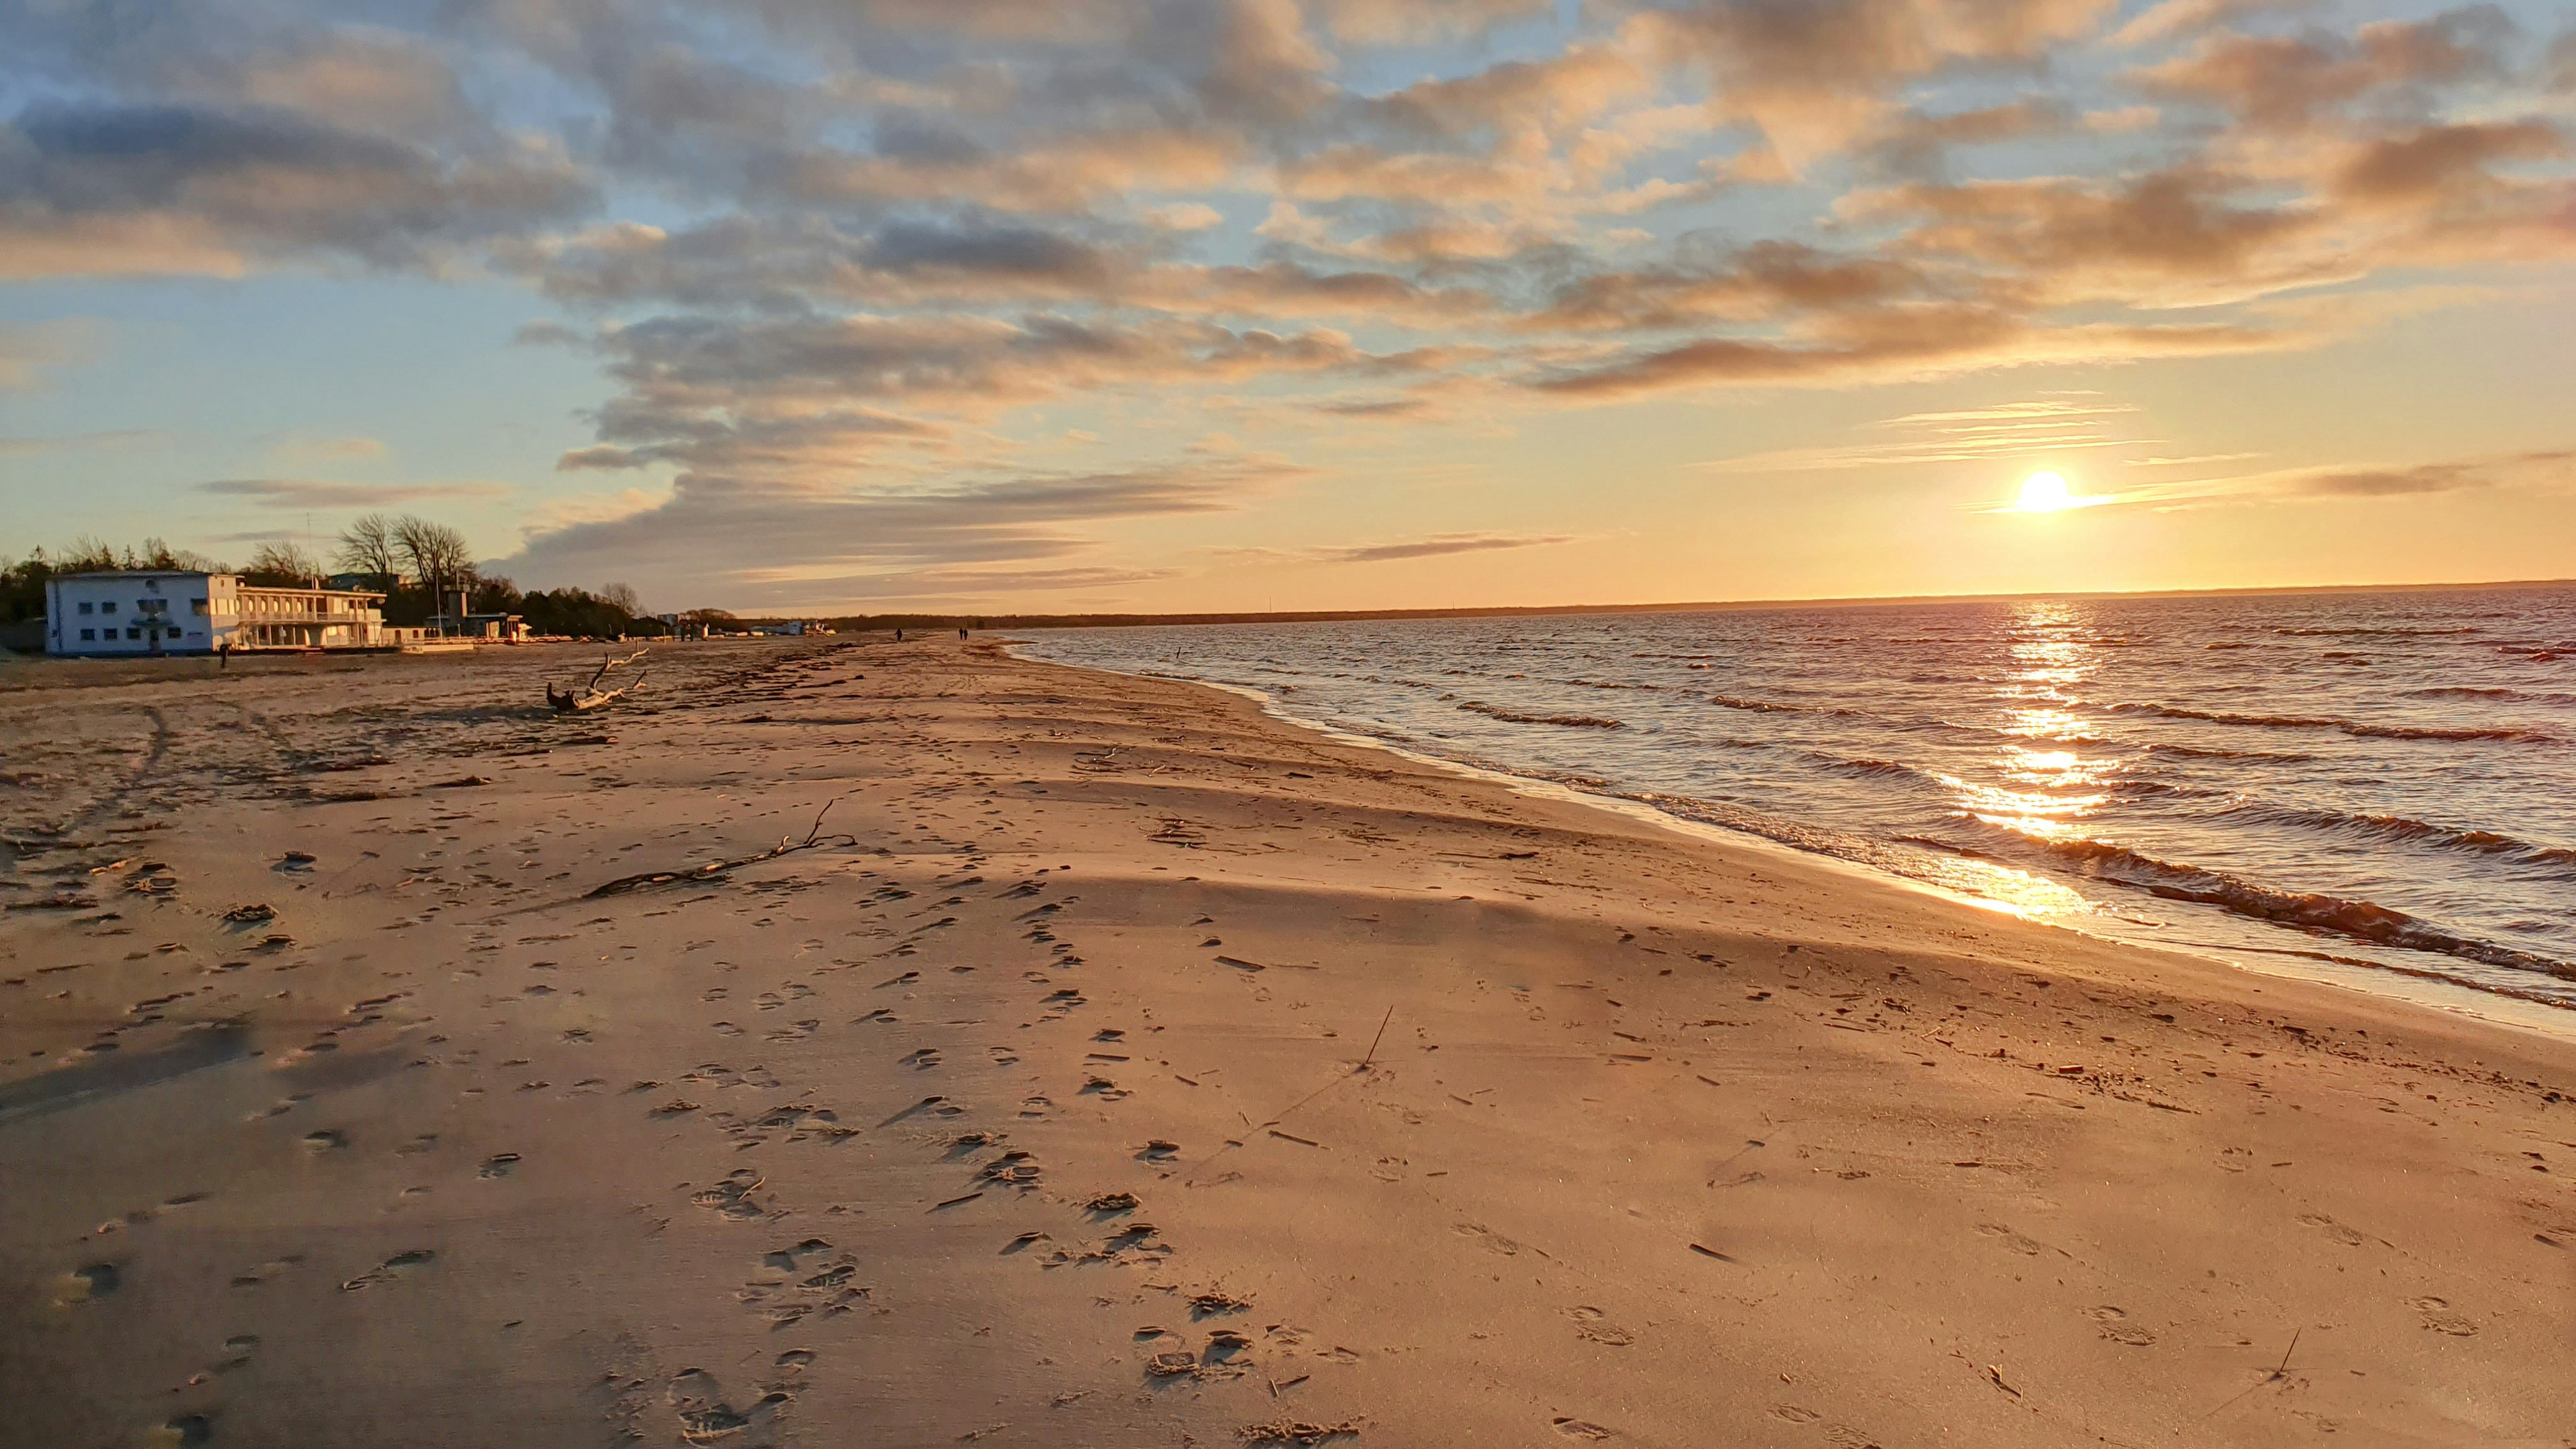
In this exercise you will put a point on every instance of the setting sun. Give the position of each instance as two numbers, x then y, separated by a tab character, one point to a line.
2046	493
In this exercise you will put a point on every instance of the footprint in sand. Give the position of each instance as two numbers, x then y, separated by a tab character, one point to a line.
265	1271
696	1397
1487	1238
1579	1429
87	1284
1592	1323
2113	1324
1793	1414
2027	1247
2349	1237
390	1269
2439	1318
732	1198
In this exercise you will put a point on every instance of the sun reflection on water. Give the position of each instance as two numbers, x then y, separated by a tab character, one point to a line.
2043	789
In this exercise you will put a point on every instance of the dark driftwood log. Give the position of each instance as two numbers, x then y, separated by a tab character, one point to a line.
591	696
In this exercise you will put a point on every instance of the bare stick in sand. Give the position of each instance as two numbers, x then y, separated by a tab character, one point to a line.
2279	1372
814	839
1381	1036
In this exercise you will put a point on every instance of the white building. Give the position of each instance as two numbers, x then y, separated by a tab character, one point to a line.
153	612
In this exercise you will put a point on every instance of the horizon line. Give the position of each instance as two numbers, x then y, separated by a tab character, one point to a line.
1107	619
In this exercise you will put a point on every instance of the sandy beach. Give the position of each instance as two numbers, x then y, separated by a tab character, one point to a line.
843	1042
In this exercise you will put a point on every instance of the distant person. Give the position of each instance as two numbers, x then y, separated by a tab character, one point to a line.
898	636
224	655
961	633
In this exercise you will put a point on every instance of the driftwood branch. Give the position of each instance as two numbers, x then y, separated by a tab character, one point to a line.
814	840
591	696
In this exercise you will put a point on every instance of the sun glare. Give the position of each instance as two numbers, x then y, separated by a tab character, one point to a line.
2046	493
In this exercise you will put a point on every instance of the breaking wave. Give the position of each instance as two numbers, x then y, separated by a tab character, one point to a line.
2402	828
1575	721
2360	729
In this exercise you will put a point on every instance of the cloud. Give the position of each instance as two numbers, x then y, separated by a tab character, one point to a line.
29	349
1896	343
746	541
2423	478
1415	22
1913	143
2035	427
802	398
1812	74
308	493
1761	282
2172	19
2441	163
113	438
315	448
1433	546
1185	216
2358	482
2287	82
2180	232
1440	546
104	188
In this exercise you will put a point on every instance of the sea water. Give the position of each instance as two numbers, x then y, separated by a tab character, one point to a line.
2384	780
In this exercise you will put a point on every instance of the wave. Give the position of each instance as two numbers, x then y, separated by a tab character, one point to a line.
1578	721
2376	631
2205	752
2403	828
1868	769
2340	915
2501	696
2358	728
1762	706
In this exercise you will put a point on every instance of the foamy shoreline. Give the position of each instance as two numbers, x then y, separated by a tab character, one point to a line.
2426	987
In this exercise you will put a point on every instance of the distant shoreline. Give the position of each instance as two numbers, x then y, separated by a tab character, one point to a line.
860	622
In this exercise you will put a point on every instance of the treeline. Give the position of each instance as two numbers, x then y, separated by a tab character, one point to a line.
420	566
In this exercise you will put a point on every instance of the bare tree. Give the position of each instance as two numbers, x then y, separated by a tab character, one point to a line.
435	554
159	555
623	596
283	563
367	547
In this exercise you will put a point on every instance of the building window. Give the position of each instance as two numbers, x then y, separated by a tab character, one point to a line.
88	608
89	634
133	633
108	608
197	607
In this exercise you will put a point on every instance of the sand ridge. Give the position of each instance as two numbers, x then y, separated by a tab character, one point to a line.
1118	1066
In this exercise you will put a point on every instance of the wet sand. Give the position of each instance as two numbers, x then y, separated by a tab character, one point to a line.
380	1064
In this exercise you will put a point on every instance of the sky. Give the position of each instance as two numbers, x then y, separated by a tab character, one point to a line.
1178	305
